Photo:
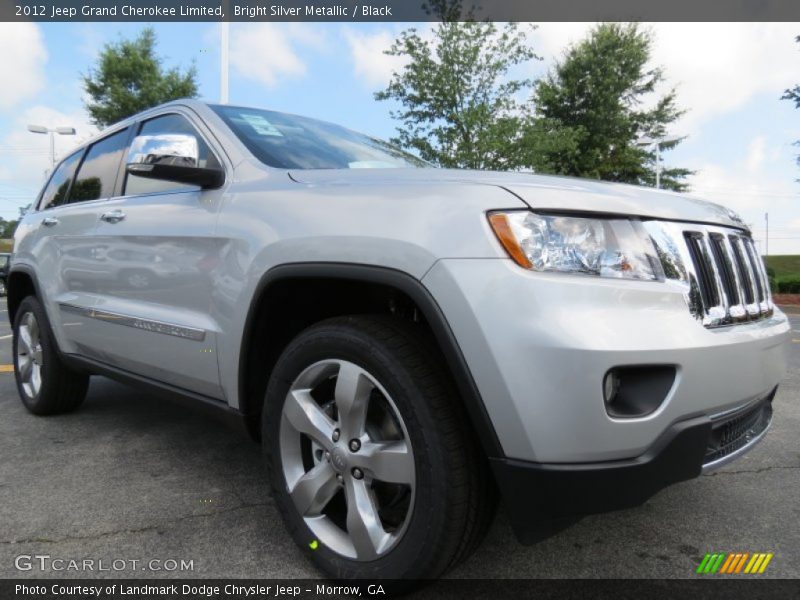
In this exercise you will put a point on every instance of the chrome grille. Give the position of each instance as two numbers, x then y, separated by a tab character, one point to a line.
726	282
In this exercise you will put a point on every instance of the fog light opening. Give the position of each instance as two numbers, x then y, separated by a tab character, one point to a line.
636	391
610	386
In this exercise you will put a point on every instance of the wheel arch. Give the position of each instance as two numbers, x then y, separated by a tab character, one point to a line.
20	282
277	292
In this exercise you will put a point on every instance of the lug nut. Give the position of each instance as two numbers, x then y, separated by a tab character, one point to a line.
358	473
355	445
327	456
335	436
340	479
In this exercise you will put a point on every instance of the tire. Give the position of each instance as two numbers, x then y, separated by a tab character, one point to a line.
59	389
439	506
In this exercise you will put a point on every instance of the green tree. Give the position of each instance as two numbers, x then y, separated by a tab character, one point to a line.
594	105
7	228
793	94
459	105
129	77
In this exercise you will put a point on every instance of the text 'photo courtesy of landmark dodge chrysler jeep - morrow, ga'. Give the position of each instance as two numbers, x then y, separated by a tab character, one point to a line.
407	343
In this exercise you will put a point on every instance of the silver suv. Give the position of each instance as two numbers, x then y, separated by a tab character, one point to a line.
406	342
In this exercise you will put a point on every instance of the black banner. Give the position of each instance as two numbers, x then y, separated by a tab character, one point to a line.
561	589
398	10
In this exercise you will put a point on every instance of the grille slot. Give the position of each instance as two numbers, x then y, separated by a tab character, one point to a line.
727	277
702	264
720	252
734	432
749	297
748	248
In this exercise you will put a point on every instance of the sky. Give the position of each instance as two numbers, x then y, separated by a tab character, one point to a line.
729	77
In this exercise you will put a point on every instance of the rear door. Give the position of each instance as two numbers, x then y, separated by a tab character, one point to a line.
154	306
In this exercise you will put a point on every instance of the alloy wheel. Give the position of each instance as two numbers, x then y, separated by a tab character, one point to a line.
29	355
347	459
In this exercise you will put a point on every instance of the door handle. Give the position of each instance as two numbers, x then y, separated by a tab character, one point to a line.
115	216
49	221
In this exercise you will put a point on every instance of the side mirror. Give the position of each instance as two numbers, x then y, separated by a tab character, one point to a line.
171	157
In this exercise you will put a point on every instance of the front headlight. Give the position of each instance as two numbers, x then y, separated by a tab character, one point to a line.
613	247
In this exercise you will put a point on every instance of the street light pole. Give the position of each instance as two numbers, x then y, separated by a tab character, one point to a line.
648	141
223	58
658	166
52	132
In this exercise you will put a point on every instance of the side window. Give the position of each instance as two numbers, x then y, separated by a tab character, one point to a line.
56	191
98	172
165	125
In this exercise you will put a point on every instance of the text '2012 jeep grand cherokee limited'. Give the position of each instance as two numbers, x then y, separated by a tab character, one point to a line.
403	340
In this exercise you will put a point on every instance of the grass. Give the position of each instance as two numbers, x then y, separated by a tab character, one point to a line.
785	266
6	245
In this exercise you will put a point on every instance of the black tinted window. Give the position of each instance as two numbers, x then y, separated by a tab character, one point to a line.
56	191
98	172
166	125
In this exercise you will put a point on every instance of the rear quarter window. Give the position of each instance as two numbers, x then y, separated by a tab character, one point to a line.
56	190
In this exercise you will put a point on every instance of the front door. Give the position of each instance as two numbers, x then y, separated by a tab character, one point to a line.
154	304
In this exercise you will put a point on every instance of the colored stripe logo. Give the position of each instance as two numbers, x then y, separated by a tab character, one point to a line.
732	563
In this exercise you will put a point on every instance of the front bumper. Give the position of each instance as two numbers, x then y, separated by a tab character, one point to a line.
539	345
539	496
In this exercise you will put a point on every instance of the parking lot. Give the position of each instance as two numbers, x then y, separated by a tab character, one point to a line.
132	477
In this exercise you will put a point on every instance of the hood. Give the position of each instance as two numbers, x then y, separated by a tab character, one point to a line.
542	192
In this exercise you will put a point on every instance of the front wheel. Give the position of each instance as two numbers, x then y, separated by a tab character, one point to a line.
371	460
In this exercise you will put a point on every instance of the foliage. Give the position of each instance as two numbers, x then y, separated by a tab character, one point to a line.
7	228
129	77
773	282
459	103
596	103
789	284
793	94
783	265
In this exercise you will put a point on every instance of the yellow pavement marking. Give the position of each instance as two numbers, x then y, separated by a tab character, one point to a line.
6	368
796	341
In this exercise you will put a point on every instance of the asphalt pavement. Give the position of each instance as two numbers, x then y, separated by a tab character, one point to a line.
130	477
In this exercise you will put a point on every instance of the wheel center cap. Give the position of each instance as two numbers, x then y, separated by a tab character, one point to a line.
339	460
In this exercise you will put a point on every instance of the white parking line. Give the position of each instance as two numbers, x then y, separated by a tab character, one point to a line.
5	337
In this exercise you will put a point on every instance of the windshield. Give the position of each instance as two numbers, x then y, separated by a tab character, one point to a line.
292	142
